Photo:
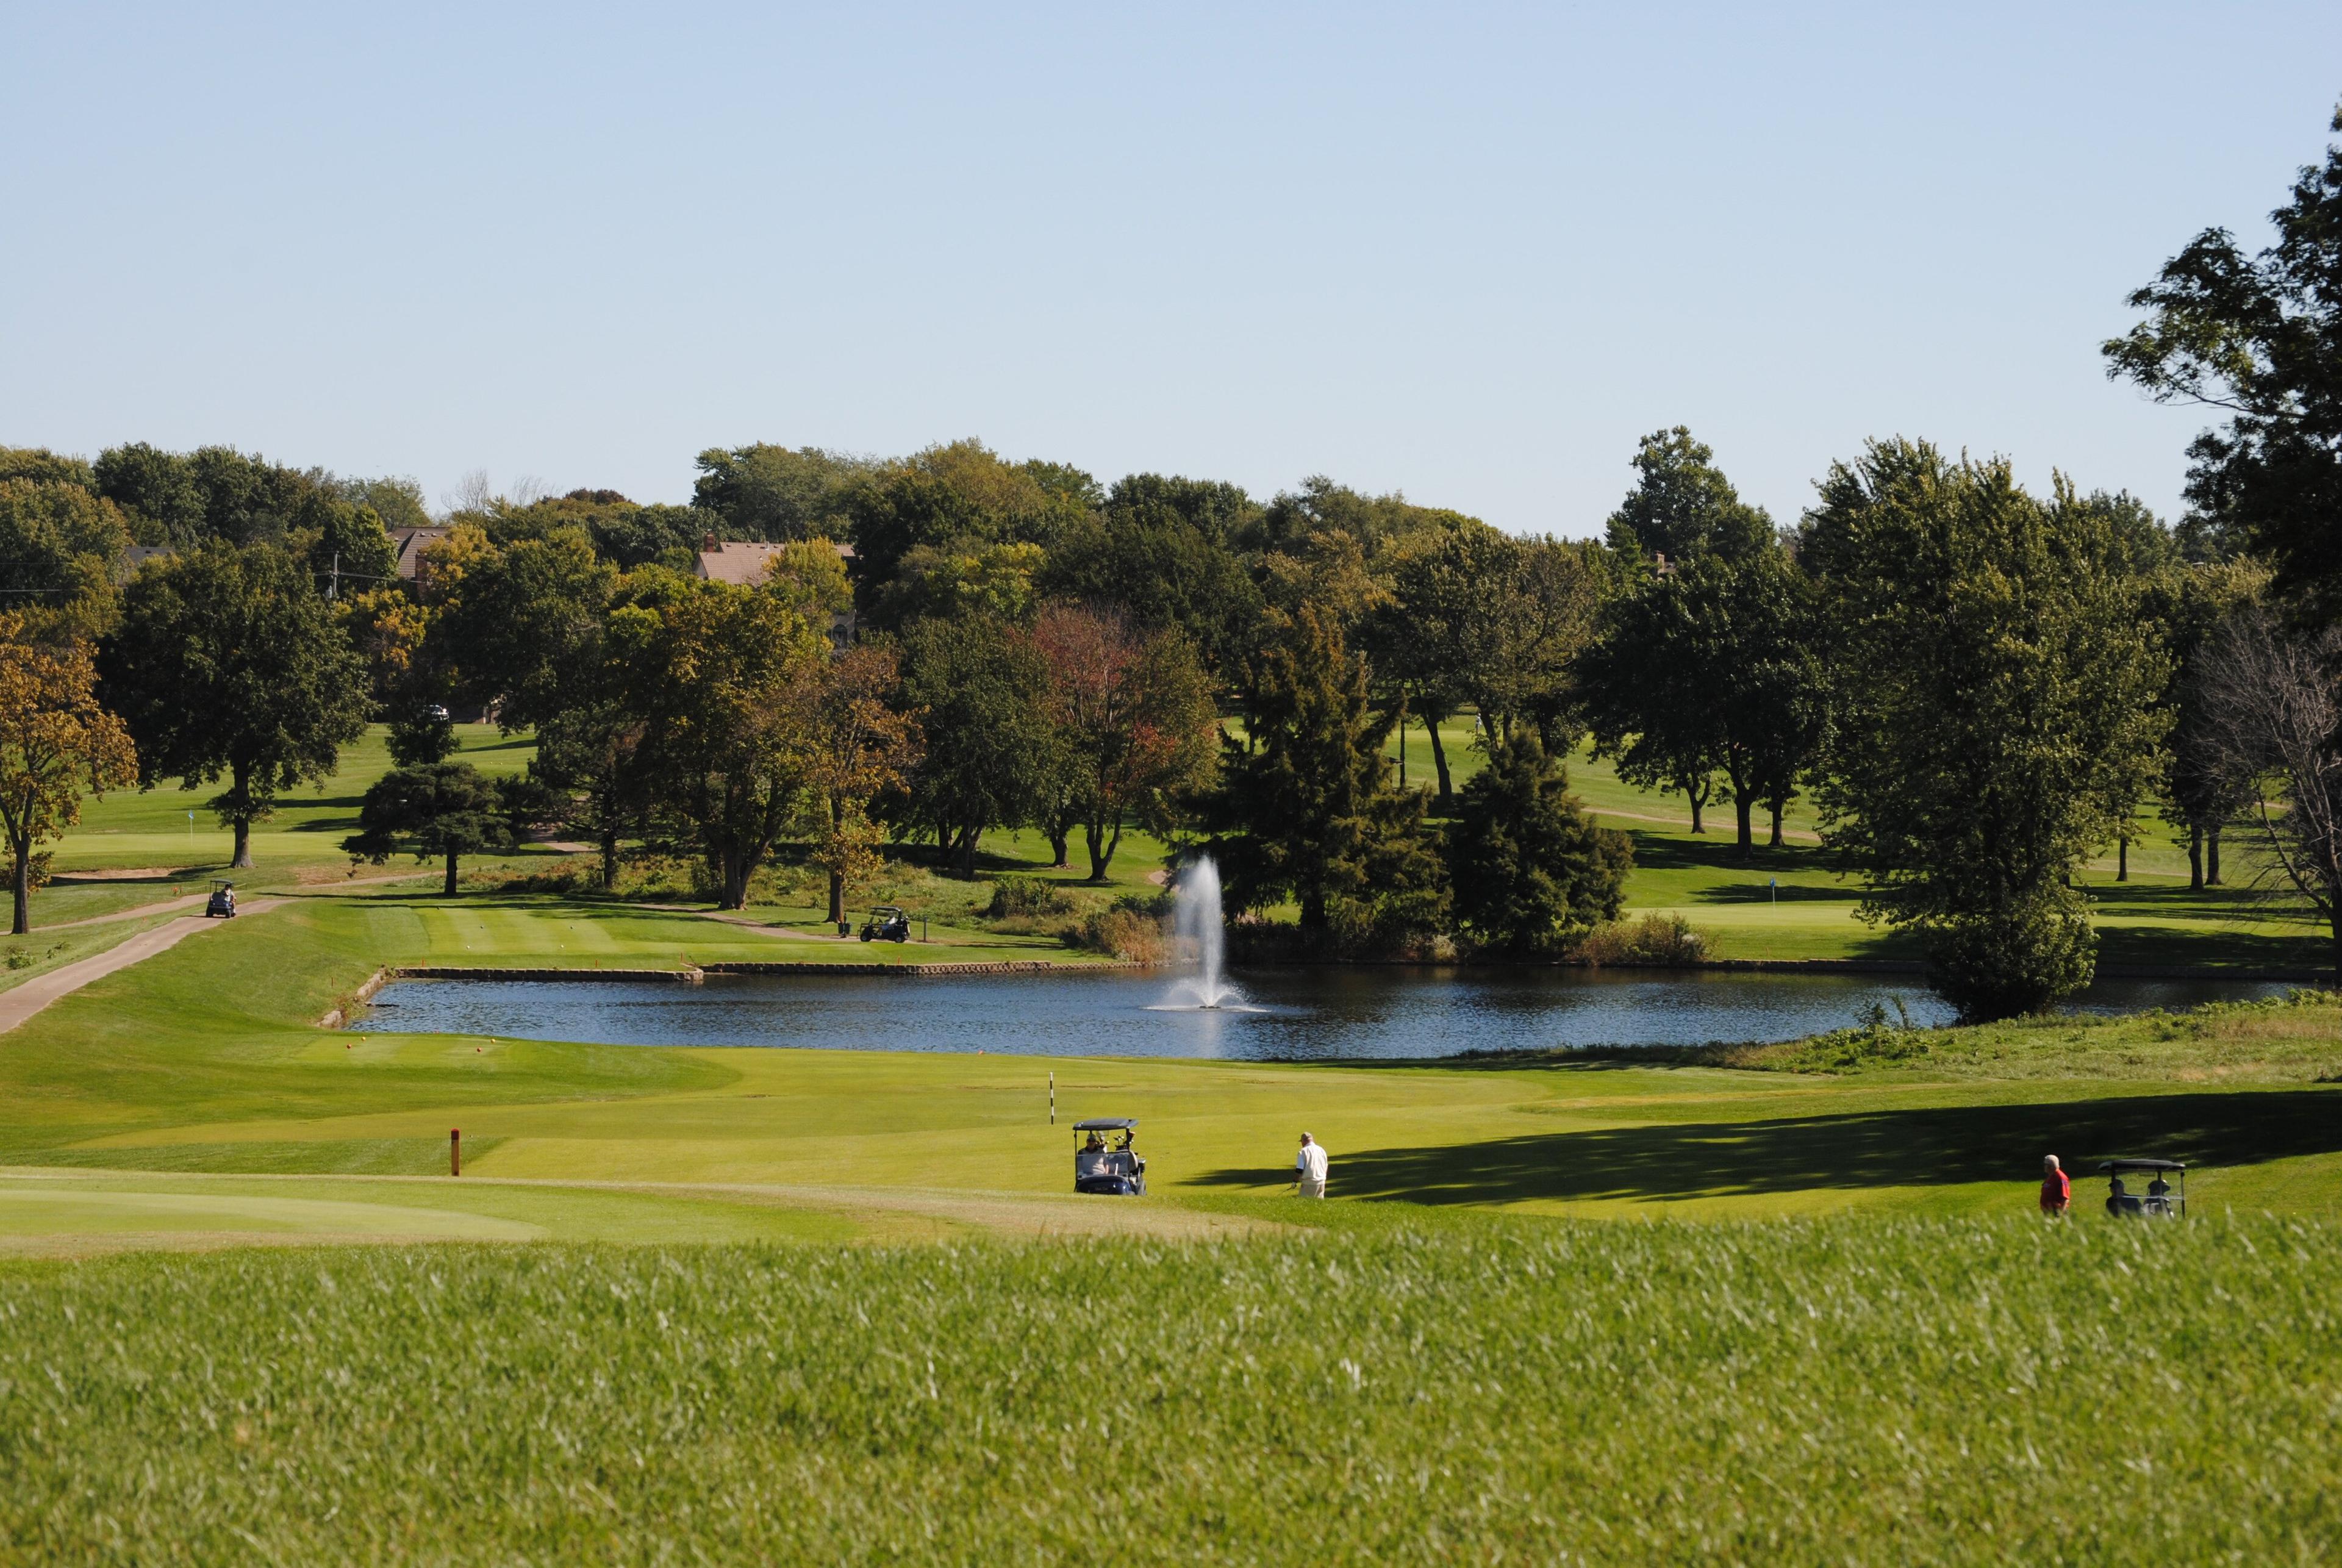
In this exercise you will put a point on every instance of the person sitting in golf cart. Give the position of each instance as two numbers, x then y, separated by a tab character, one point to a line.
1089	1160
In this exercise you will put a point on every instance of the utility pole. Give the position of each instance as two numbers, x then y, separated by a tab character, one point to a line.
334	590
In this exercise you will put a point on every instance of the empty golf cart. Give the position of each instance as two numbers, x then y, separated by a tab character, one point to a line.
2159	1201
222	902
887	923
1106	1162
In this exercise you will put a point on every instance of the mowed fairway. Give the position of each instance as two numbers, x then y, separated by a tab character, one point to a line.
205	1062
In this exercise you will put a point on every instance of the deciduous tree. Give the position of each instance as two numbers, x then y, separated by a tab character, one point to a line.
981	689
1993	696
2255	338
226	661
711	672
1134	717
862	745
56	742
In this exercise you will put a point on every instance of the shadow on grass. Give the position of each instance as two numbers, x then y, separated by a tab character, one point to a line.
1925	1147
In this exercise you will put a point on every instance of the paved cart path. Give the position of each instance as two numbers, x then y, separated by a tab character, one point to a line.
24	1001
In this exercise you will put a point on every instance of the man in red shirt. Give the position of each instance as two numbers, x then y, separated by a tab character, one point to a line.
2056	1192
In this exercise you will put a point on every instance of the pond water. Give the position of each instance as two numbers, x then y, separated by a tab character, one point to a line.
1292	1014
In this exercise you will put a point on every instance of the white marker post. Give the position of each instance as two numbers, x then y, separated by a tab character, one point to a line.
1053	1096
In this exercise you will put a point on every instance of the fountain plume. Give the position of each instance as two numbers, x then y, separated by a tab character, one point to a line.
1200	937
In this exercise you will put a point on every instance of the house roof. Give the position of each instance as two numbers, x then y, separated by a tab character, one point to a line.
409	543
743	561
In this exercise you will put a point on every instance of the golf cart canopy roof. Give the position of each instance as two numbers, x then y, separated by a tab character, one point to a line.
1107	1124
2116	1167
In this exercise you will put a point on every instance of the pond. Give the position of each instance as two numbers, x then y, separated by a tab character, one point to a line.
1290	1014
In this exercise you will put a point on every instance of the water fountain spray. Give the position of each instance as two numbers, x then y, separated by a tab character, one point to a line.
1201	937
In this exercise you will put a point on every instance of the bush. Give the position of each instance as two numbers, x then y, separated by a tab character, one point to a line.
1654	942
1121	933
1027	897
2022	955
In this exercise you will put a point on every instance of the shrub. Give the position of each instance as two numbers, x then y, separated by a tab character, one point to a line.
1656	941
1027	897
1121	933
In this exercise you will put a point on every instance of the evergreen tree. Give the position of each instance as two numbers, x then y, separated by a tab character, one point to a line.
1532	870
446	809
1309	813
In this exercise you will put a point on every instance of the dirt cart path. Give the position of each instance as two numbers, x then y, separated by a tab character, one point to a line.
24	1001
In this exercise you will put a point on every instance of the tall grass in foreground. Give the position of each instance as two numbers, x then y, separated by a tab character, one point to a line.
1846	1392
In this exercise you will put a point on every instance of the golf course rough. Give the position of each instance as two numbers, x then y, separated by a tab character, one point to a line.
1459	1388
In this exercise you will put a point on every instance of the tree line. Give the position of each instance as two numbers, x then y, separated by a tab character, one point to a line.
1977	686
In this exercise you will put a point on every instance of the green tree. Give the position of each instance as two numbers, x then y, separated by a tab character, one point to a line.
445	809
862	746
509	625
216	493
1309	813
711	673
1531	870
1994	696
957	500
1682	505
43	466
1164	550
59	545
979	688
1710	669
1135	723
773	493
226	661
2203	788
2254	337
56	742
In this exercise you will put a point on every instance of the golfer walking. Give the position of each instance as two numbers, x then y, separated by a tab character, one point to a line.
1309	1168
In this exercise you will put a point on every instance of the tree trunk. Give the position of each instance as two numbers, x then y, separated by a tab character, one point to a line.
1060	838
1742	804
451	873
736	882
2122	859
23	855
1439	762
2195	860
1102	847
836	898
241	791
963	852
1698	795
2212	858
1777	808
1402	740
609	858
1313	911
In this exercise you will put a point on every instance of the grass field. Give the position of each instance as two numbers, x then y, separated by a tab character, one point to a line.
802	1305
1472	1391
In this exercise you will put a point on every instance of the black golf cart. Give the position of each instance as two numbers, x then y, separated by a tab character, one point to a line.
222	902
887	923
1105	1163
2159	1201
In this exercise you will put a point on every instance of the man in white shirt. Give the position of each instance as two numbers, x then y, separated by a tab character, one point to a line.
1309	1168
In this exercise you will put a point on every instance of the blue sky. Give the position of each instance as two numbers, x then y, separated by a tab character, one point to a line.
1466	252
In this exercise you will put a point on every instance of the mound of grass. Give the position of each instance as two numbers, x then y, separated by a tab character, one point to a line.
1880	1391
